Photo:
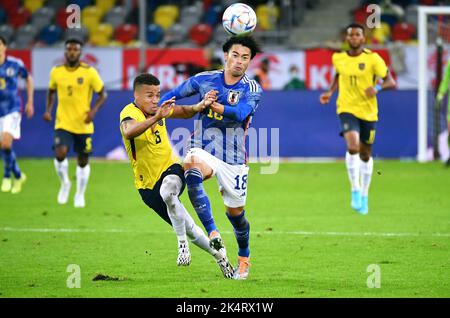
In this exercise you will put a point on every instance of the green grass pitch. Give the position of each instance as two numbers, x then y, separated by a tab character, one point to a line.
305	239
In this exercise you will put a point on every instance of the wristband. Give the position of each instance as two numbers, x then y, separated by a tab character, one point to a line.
378	87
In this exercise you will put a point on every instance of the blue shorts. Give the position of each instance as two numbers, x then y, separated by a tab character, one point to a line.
366	129
82	143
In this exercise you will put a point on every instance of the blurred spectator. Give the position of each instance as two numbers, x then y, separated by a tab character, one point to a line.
262	74
295	82
187	69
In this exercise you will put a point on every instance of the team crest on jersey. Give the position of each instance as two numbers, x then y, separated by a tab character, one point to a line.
362	66
80	80
10	72
160	122
233	97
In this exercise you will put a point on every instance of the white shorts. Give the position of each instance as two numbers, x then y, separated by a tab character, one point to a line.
232	179
11	124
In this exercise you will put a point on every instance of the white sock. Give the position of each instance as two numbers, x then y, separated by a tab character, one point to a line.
82	179
366	176
443	146
170	188
352	163
197	236
62	170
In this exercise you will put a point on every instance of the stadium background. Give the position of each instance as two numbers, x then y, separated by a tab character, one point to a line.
184	37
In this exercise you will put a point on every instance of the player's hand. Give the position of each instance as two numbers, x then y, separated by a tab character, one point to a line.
89	116
371	92
29	110
217	108
47	116
439	97
165	108
210	98
325	98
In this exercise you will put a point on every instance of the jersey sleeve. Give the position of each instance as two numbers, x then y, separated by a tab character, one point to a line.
52	83
380	67
126	114
188	88
96	81
22	70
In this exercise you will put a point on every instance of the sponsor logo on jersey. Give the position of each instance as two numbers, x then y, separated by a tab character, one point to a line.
10	72
233	97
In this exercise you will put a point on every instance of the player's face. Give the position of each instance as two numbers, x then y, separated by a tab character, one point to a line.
237	60
72	52
355	38
147	98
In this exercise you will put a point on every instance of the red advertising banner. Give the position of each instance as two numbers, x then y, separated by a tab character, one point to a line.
24	55
319	70
160	62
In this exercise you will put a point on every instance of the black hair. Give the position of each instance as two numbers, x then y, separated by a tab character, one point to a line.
246	41
355	25
145	79
3	40
73	41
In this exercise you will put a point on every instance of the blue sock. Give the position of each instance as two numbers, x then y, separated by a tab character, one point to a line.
8	162
241	229
199	198
15	165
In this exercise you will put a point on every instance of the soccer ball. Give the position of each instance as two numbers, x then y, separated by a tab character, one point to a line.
239	19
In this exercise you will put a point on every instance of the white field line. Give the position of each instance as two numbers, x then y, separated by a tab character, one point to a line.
301	233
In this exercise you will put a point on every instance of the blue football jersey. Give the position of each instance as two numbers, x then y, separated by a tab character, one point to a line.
222	135
10	71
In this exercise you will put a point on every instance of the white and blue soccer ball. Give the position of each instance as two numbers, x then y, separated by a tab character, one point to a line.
239	19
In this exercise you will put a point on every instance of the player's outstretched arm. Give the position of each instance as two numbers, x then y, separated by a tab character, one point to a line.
185	111
102	95
29	107
51	94
131	128
325	97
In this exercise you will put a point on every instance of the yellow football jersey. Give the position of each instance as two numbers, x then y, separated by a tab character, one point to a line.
151	152
74	87
356	74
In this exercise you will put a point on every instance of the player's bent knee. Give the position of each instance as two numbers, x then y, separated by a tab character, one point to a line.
353	149
191	162
365	156
235	211
170	189
60	153
6	141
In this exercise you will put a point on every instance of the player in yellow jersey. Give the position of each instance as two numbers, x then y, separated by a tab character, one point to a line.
159	177
358	71
74	82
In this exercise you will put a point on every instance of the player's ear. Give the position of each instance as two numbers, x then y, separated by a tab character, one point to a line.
225	56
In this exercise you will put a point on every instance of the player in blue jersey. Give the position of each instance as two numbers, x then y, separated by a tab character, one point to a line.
10	115
218	143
